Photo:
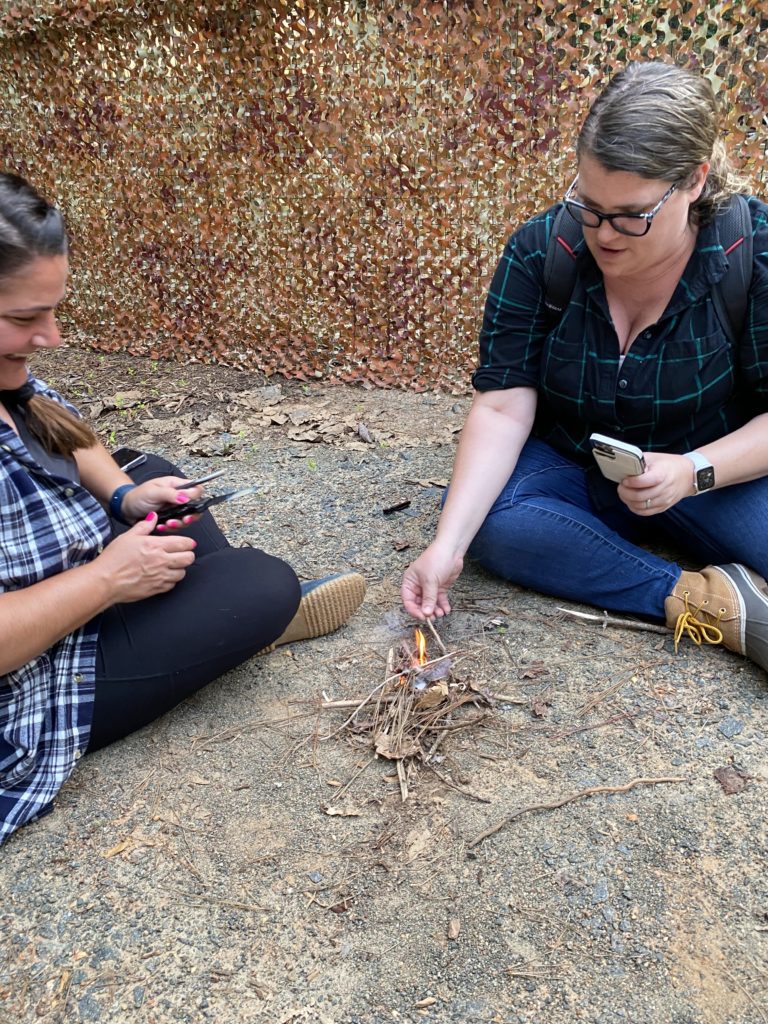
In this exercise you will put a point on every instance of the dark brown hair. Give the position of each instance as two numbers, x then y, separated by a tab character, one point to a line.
30	227
661	121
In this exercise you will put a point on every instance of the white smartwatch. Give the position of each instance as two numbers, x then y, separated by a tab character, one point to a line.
703	472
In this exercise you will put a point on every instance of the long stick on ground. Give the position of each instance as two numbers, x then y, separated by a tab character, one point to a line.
606	620
581	795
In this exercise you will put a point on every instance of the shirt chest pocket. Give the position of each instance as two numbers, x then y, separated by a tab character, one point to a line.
696	375
571	372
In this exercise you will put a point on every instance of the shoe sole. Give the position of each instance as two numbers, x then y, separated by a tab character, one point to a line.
325	609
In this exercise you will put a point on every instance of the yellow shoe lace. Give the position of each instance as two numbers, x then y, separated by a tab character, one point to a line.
689	624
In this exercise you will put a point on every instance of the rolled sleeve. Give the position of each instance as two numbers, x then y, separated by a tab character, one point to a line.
515	318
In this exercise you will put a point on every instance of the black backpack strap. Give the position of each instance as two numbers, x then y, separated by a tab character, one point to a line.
730	294
560	263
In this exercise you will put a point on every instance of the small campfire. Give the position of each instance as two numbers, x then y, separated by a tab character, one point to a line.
408	716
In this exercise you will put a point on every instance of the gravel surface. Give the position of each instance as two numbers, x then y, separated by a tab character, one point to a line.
193	872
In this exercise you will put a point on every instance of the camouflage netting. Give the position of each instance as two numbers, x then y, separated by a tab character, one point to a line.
323	189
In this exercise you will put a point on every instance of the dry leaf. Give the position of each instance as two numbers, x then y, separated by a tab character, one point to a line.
119	848
731	779
340	811
418	843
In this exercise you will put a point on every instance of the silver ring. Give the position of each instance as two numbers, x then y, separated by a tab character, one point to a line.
647	502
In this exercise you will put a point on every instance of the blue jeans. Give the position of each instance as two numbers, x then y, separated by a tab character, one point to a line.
545	532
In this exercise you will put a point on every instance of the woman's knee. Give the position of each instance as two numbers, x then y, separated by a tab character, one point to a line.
265	581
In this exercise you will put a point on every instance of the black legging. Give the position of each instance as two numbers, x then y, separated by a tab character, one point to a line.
152	654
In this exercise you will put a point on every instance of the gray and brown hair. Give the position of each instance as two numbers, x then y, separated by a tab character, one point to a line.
661	121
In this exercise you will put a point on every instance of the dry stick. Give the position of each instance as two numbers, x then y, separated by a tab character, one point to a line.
402	779
606	620
744	992
582	794
350	780
458	789
435	634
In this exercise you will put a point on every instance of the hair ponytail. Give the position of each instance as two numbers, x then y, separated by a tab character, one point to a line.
56	428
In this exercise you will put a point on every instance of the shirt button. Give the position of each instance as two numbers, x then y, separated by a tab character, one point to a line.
68	492
78	677
647	334
100	548
78	754
623	383
4	448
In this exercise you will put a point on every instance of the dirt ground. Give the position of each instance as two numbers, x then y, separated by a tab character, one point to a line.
248	858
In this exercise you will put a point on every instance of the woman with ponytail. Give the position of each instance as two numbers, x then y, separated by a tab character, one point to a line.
107	619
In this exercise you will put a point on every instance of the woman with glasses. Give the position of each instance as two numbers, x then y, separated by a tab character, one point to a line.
639	355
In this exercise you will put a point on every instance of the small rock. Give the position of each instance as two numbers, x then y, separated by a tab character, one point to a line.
730	727
600	892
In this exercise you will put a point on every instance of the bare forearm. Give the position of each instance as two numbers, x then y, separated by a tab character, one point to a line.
490	445
99	472
33	619
742	455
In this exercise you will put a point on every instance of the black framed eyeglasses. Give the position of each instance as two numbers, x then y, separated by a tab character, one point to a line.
634	224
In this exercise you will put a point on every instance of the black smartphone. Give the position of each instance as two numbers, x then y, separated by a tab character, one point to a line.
128	458
199	505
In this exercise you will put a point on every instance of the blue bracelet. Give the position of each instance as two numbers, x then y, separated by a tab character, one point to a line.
116	503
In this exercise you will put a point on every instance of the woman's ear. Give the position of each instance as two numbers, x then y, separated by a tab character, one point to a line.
698	181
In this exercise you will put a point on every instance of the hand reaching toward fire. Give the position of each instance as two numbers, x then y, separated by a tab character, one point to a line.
426	582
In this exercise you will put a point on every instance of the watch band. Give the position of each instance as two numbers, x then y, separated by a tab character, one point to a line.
115	504
703	472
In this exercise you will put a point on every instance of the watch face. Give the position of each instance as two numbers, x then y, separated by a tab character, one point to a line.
705	478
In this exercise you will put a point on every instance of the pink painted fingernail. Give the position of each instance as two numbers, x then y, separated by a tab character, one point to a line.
149	517
182	498
173	524
161	528
188	519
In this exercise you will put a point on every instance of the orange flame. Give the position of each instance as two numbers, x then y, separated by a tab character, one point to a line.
421	646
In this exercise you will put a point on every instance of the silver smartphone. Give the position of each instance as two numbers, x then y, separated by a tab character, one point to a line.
616	459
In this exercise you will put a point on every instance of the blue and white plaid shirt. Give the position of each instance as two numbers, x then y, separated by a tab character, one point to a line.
48	524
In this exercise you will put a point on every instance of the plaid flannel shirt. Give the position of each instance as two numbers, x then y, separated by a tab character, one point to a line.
48	524
682	384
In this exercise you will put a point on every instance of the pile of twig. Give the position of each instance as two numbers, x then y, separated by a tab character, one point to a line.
412	711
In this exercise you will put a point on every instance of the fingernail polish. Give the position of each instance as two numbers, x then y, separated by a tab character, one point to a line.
188	519
182	498
161	528
149	517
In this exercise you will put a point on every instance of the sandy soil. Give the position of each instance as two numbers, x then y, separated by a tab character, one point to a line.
248	858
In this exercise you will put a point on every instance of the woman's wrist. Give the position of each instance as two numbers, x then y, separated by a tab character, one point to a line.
115	503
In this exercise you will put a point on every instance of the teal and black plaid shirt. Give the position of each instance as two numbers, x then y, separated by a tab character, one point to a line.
682	384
